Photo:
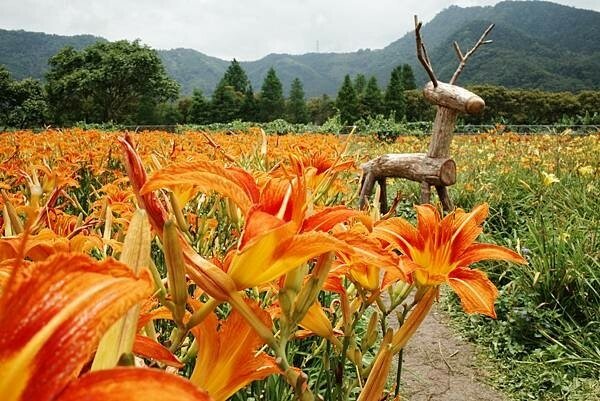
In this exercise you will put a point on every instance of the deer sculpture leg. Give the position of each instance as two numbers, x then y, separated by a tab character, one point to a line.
382	195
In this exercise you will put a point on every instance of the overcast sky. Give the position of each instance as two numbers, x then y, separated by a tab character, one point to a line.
245	29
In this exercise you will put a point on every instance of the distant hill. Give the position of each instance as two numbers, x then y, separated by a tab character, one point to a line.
26	54
537	44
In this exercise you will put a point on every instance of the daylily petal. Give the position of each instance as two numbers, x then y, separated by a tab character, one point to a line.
227	354
326	219
277	252
258	223
399	233
428	219
149	348
132	384
205	176
317	321
52	315
466	228
478	252
477	293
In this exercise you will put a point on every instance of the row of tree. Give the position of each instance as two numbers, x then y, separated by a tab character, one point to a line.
125	82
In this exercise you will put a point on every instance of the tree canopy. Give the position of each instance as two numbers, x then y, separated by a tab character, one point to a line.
106	81
271	101
394	100
296	108
22	103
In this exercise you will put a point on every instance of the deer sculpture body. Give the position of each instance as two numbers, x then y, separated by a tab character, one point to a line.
434	168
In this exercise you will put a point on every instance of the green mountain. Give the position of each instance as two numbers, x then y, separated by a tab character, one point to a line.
536	44
25	54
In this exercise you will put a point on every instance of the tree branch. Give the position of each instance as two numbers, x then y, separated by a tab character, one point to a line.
463	59
422	53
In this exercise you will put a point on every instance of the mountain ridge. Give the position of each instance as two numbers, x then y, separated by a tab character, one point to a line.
537	45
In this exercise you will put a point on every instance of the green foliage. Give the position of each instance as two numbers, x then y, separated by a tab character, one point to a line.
408	78
106	82
184	106
236	77
225	104
271	101
249	109
297	111
548	329
394	100
371	103
360	85
22	103
347	102
320	109
231	99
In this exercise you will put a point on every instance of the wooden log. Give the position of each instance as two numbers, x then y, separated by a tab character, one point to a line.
444	198
366	188
454	97
413	166
382	195
443	132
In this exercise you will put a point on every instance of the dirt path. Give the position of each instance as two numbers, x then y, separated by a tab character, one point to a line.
441	366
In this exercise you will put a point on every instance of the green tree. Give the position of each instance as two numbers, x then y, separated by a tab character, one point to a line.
22	103
372	101
296	107
408	78
271	102
169	113
320	109
230	93
183	106
226	103
360	85
199	109
249	110
347	102
106	81
394	100
236	77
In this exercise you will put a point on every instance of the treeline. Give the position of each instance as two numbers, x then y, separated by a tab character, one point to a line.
125	82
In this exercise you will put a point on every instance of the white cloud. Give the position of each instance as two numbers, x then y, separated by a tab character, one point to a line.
246	30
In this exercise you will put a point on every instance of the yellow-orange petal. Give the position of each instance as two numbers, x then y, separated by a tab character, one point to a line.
278	252
465	228
326	219
52	315
399	233
477	252
205	176
132	384
317	321
428	220
476	292
258	223
148	348
227	354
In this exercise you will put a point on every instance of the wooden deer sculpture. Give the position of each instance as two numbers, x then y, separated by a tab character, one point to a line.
435	168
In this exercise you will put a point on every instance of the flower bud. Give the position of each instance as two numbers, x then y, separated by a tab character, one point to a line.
175	269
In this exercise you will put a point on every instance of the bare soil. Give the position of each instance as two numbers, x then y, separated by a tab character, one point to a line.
439	365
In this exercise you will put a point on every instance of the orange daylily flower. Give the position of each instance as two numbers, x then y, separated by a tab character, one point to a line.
228	357
273	242
40	246
52	316
441	250
132	384
271	247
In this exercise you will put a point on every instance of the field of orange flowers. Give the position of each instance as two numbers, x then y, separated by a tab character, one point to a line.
198	266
